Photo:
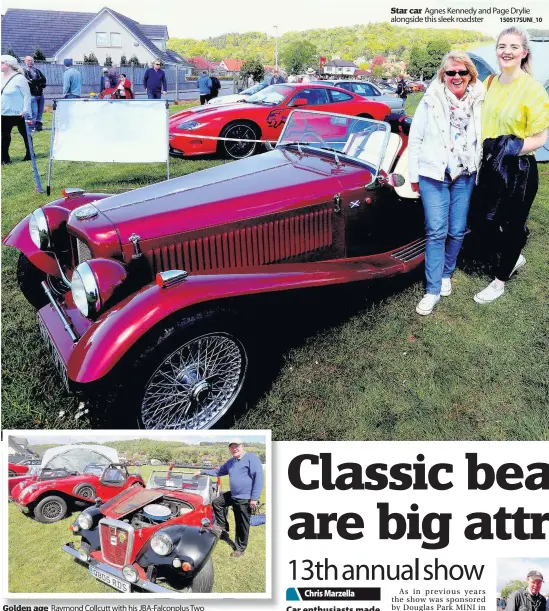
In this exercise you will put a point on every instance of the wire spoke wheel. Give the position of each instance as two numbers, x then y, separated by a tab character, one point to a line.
196	384
52	510
87	492
243	148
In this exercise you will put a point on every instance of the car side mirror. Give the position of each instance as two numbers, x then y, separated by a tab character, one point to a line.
268	146
393	179
301	102
98	501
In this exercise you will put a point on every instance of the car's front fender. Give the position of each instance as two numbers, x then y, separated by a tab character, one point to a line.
108	339
19	237
192	544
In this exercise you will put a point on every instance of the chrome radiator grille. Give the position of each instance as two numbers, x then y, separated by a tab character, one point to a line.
52	349
259	244
116	539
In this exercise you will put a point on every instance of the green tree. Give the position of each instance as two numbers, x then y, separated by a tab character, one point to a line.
91	59
436	50
508	589
135	62
418	61
297	56
123	61
254	68
108	61
38	56
377	71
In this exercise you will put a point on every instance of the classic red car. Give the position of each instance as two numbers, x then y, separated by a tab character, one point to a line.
155	537
260	117
57	489
15	469
148	296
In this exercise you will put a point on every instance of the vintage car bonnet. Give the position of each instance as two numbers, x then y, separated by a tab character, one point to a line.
76	457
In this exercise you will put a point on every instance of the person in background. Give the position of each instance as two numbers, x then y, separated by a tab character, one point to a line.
251	81
113	75
310	75
444	149
402	90
16	105
216	86
291	78
515	118
72	80
124	88
105	82
155	82
277	78
528	598
37	83
204	84
241	83
245	473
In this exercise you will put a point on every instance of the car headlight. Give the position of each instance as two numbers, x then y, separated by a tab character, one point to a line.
39	230
84	520
85	291
189	125
162	544
27	490
130	573
93	284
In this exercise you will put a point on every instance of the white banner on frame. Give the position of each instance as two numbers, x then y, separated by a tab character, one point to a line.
110	131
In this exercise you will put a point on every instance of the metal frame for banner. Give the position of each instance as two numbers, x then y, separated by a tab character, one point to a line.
92	101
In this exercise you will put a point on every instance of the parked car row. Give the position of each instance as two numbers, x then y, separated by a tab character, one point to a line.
156	537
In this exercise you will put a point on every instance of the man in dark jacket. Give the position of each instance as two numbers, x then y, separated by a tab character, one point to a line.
105	81
216	86
401	88
528	599
155	82
37	83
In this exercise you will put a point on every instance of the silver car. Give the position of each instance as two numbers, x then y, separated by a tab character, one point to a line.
372	92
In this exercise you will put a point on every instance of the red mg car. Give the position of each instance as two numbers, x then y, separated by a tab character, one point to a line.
157	538
146	299
260	117
62	484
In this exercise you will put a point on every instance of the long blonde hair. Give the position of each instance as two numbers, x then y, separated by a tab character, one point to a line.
525	62
458	56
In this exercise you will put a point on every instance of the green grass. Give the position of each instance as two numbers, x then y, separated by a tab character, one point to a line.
36	562
380	372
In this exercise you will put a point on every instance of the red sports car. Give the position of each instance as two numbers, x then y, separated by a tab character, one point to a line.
261	117
153	537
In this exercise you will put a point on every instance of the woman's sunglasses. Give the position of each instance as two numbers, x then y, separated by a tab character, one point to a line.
454	72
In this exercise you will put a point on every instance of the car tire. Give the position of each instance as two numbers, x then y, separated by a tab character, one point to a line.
29	278
170	348
50	509
239	129
203	581
85	490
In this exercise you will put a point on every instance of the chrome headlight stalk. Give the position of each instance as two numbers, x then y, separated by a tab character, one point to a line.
85	291
39	230
162	544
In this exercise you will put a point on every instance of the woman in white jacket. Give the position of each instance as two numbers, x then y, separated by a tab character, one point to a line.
16	105
444	150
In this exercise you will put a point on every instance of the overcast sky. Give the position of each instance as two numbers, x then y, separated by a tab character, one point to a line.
187	20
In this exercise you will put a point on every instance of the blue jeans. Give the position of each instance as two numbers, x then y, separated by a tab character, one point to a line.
154	95
446	205
37	106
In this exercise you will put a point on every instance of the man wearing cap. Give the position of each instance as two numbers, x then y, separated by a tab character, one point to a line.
309	76
105	81
72	80
246	482
155	82
529	598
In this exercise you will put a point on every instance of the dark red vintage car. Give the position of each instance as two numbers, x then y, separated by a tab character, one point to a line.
157	538
52	494
143	295
15	469
259	117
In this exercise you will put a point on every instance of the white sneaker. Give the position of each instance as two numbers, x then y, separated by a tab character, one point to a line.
521	262
426	305
446	288
494	290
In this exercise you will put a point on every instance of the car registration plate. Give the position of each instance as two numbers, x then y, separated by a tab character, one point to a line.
111	580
